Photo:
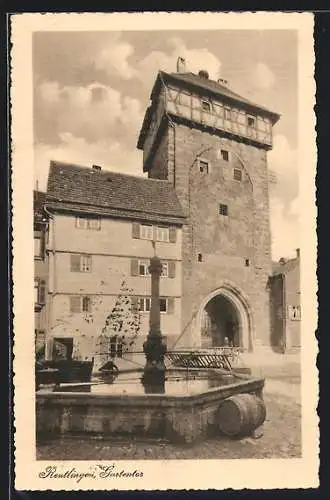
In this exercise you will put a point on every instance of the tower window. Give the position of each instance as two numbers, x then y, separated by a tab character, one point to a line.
203	166
237	174
223	209
206	106
251	121
247	262
224	154
200	257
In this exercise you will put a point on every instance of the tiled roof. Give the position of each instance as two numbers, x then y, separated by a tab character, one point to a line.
105	192
217	88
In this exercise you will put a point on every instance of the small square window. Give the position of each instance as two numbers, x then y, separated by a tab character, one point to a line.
204	166
206	106
163	305
237	174
144	304
85	263
36	292
86	304
163	234
227	114
144	268
37	246
224	154
146	232
94	223
164	270
223	209
251	121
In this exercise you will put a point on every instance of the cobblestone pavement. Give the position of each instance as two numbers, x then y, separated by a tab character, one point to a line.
281	439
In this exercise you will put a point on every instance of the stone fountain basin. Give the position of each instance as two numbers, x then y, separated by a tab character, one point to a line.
186	412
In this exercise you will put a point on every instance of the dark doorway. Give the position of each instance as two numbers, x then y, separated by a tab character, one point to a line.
62	348
221	323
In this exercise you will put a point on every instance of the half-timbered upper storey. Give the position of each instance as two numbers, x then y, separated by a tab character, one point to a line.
201	102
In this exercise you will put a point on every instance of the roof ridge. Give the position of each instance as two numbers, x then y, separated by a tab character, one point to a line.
102	172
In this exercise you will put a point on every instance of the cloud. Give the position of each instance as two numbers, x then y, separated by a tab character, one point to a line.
284	204
114	59
196	59
111	155
283	161
263	77
94	112
284	223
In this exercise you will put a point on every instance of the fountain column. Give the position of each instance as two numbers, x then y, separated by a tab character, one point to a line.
154	347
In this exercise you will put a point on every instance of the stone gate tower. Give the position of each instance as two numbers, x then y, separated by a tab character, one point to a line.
211	145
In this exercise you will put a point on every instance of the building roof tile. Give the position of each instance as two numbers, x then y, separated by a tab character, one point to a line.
112	193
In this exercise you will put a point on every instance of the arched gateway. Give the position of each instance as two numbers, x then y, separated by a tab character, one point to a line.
225	312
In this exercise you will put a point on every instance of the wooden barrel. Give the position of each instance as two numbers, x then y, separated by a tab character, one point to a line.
241	414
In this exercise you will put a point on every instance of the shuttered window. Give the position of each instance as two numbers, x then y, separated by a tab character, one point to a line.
141	268
39	292
36	291
144	304
75	304
150	232
135	304
164	273
81	263
88	223
172	235
144	267
135	230
171	269
146	232
166	304
86	304
80	304
37	246
162	234
170	305
134	267
42	292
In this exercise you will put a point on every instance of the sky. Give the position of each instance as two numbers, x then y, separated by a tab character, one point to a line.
91	90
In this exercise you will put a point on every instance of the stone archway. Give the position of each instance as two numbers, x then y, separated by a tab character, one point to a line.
225	312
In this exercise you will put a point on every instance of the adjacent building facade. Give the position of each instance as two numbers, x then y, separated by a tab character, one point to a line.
103	229
285	305
40	268
203	208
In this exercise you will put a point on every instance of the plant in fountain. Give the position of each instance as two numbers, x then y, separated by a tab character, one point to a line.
122	326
